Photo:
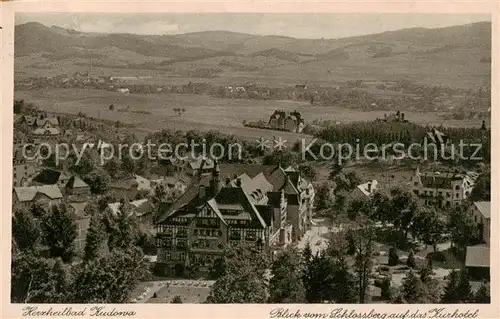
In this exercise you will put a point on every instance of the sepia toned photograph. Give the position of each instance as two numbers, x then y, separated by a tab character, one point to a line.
251	158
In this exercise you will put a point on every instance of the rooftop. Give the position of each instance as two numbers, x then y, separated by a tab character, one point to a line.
26	194
484	208
478	256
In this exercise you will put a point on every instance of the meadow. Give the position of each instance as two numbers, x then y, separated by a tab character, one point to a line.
203	112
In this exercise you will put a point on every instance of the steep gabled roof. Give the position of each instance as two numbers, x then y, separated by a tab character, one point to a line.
76	182
484	208
50	176
26	194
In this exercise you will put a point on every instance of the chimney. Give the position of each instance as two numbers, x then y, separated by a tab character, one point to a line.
369	187
228	180
201	193
402	116
238	182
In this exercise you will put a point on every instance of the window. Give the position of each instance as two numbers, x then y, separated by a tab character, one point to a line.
195	232
457	187
457	195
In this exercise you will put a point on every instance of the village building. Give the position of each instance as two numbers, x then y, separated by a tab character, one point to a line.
262	206
82	222
76	186
49	176
442	189
194	165
393	117
283	120
363	191
24	167
481	213
143	209
46	195
131	187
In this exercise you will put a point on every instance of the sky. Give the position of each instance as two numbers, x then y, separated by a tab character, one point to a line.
297	25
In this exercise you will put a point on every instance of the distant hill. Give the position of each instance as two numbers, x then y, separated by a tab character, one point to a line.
434	55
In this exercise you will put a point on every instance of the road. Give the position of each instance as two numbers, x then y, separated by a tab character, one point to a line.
315	236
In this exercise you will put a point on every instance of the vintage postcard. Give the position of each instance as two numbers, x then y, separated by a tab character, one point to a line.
249	160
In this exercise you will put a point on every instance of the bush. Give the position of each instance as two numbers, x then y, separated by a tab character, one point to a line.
411	260
385	287
393	257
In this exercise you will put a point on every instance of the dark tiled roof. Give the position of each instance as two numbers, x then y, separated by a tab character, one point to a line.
49	176
76	182
256	180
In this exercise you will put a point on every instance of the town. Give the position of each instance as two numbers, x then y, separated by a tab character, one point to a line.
190	219
268	221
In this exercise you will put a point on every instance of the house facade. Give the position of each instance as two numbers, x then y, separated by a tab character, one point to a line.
442	189
46	195
481	215
283	120
232	205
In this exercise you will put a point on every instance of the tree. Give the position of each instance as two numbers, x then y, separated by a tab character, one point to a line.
385	288
482	294
363	242
339	203
244	278
59	232
110	278
24	230
356	208
324	197
426	273
346	182
177	299
98	181
307	170
318	279
450	294
462	226
95	236
412	289
37	210
35	279
404	203
463	289
482	187
429	227
393	257
286	285
411	260
122	227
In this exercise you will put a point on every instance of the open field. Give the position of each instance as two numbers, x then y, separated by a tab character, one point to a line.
203	112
